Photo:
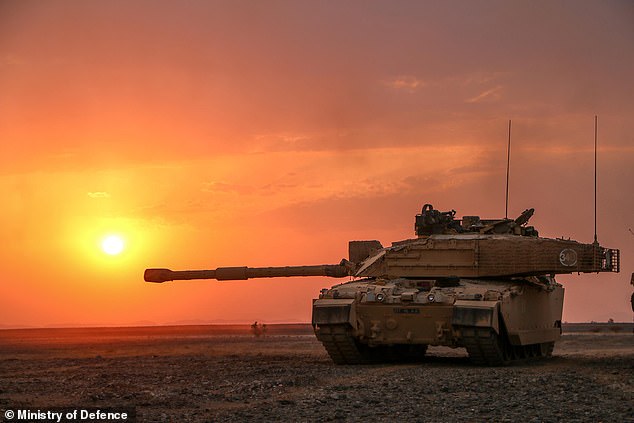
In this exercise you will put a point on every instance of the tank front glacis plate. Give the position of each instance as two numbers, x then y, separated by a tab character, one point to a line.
405	324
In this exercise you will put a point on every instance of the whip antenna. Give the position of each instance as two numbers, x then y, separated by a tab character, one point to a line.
508	162
596	120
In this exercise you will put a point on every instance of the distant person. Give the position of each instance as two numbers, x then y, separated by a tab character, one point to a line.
256	329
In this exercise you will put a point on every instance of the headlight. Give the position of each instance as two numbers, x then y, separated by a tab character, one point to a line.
380	297
431	297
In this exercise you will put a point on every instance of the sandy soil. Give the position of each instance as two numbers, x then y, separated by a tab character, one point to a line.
208	373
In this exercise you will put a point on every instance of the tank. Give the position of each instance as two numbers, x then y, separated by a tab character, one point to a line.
487	285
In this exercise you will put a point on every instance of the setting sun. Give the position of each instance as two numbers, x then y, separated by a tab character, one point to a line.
112	245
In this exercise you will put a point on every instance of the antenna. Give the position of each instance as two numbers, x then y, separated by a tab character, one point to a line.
596	124
508	162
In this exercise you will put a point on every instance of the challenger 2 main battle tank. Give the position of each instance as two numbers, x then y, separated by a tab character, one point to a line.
485	285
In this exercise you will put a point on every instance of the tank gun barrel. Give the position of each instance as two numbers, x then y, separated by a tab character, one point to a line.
243	273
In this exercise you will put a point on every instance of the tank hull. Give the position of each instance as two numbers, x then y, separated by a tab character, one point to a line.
496	321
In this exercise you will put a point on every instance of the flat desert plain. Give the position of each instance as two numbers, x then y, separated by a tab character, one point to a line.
224	373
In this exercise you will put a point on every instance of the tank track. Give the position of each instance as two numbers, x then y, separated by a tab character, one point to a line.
343	348
485	347
340	345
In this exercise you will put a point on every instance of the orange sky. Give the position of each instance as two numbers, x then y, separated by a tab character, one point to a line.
270	133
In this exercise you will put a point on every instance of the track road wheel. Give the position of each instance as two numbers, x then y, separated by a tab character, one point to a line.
546	349
485	347
340	344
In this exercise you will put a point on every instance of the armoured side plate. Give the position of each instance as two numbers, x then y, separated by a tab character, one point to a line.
333	311
483	314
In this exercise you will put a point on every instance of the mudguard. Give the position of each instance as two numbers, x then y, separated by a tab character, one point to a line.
482	314
333	311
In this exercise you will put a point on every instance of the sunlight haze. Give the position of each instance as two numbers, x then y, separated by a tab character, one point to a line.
226	133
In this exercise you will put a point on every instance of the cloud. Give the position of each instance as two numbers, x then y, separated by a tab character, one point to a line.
405	82
492	94
98	194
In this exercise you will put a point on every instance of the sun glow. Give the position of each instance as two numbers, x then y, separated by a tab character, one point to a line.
112	245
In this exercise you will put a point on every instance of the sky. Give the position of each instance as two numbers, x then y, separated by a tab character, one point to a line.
227	133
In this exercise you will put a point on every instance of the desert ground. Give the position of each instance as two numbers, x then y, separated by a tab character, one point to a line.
225	373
